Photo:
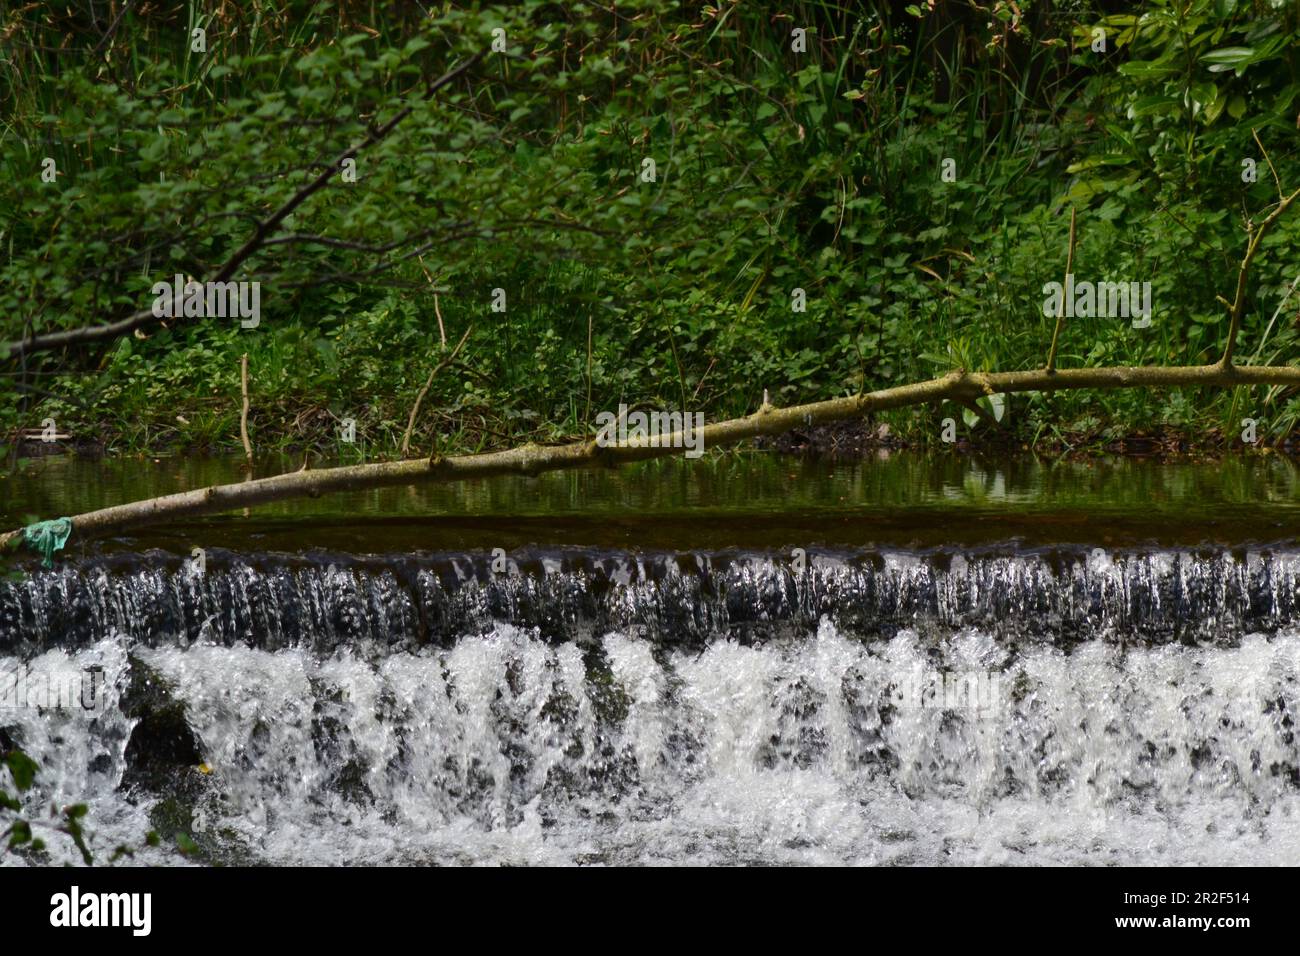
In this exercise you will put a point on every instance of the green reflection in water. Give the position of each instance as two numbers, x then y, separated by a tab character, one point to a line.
741	499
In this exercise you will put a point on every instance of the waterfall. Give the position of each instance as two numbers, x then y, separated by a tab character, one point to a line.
331	600
581	706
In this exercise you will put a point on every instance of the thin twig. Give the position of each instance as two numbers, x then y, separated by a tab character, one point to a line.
442	331
415	409
243	415
1277	182
1238	306
1060	313
586	417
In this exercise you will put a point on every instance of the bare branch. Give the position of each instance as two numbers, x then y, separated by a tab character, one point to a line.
1060	313
260	235
1277	182
1239	301
243	415
415	409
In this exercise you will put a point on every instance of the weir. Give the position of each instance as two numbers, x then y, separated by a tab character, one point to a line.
1123	695
327	600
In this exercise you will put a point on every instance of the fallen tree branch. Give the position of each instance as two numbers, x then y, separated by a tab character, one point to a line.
263	231
958	386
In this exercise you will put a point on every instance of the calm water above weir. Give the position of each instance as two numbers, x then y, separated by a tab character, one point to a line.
963	662
737	500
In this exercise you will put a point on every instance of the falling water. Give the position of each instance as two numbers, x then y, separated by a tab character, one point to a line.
579	706
333	600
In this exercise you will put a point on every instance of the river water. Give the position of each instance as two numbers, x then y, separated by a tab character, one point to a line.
753	660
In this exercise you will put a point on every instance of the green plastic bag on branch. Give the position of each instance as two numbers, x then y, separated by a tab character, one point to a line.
46	537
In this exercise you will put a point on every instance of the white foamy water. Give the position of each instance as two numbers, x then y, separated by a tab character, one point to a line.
818	749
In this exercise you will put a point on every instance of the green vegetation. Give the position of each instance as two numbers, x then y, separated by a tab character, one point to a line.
774	169
18	836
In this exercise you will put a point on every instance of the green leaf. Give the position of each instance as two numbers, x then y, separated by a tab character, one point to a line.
19	833
1229	58
1229	55
997	404
1147	69
1214	109
1093	161
1149	105
23	768
186	845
